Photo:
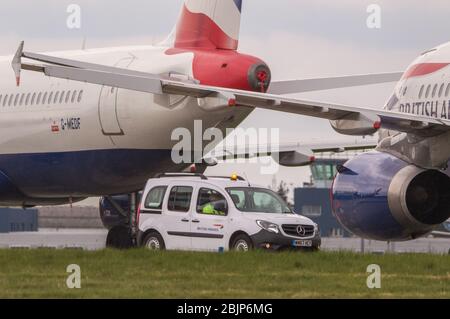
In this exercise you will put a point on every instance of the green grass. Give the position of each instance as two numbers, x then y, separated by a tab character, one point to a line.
143	274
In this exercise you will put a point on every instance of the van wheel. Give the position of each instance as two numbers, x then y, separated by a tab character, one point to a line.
242	243
154	241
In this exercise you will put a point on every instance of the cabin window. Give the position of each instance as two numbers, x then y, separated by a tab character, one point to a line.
56	98
50	98
1	96
44	98
441	89
447	91
67	97
27	100
22	99
434	90
61	99
405	90
421	91
73	96
427	94
38	101
16	100
33	98
5	100
80	96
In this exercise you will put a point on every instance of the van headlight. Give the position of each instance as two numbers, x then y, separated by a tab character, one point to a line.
270	227
316	229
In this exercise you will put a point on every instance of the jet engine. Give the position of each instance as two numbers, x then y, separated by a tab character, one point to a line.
378	196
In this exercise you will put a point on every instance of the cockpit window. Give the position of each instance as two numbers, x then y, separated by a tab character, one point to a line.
392	102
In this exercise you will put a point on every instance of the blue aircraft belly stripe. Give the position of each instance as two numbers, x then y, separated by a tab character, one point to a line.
96	172
238	4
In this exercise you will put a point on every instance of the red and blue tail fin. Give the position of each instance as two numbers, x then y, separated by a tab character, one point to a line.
209	24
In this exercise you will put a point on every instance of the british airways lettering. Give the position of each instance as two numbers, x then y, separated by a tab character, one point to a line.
436	109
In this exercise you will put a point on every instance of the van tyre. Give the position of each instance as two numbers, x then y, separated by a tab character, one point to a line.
119	237
154	241
242	243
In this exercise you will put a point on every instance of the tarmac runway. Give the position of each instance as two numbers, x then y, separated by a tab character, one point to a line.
89	239
94	239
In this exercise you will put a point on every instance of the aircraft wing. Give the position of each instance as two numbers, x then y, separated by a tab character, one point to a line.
372	118
377	118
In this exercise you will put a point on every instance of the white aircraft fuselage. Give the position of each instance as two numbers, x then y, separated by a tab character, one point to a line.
63	139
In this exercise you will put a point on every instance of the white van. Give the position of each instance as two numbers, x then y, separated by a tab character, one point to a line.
195	212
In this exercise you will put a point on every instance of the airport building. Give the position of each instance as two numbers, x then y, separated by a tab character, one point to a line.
18	220
313	199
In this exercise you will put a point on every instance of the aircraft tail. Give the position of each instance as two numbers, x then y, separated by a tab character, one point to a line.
209	24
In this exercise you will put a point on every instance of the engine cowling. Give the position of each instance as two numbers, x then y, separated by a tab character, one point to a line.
378	196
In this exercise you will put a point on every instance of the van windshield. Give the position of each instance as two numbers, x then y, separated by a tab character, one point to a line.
258	200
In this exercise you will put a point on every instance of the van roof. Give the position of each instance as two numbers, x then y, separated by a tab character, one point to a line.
221	181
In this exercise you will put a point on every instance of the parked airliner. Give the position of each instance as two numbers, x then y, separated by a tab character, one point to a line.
99	122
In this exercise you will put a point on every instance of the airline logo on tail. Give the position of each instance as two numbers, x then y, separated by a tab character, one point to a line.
213	24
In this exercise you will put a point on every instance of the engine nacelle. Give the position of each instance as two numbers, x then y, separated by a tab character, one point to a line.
378	196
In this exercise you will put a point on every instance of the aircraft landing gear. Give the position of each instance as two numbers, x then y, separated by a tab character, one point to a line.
119	237
122	232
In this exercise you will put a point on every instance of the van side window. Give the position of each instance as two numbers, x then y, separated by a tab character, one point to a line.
180	199
155	198
211	202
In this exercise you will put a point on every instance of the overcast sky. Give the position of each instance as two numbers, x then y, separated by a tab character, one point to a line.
297	38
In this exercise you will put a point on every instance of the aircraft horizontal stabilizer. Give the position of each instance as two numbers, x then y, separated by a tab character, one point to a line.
320	84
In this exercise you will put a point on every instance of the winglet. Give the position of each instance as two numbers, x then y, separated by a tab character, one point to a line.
17	62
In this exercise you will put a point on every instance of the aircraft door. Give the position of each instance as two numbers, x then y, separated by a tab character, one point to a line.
107	107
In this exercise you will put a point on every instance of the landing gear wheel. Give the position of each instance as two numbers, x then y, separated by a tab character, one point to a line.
119	237
154	241
242	243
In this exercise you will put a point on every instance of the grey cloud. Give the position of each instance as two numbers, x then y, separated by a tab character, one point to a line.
408	24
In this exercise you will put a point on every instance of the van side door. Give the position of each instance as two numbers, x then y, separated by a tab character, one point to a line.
177	216
210	220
